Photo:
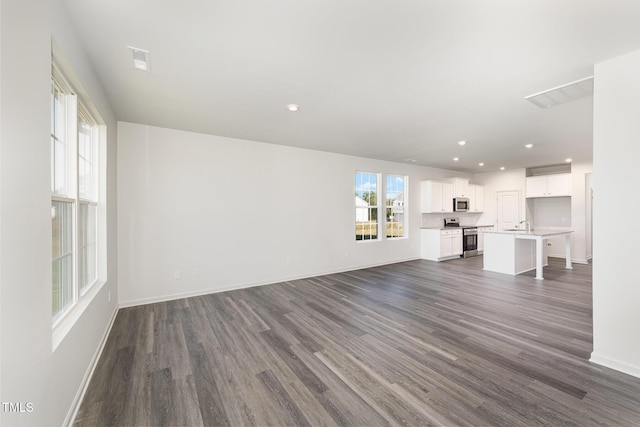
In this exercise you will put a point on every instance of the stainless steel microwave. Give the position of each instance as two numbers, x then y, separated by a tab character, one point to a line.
460	204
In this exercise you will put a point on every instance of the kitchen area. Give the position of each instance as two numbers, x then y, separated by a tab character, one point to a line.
514	220
451	211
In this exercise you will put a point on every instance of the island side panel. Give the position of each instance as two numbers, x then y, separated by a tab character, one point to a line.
430	244
499	253
525	255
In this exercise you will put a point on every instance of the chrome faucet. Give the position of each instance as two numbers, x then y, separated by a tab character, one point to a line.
527	225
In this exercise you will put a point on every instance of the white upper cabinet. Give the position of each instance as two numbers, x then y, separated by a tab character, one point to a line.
436	197
536	186
549	185
460	187
476	198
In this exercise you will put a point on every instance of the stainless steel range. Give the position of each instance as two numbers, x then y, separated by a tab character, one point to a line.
469	236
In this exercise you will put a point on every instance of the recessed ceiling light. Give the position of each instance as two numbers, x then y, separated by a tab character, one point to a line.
293	107
480	164
410	160
140	59
502	168
455	159
529	145
462	142
568	160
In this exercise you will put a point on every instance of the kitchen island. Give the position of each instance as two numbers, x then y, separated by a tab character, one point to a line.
514	252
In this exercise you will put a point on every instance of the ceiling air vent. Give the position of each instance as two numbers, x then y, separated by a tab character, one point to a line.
140	59
562	94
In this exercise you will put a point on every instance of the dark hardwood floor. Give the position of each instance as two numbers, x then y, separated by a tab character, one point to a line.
414	343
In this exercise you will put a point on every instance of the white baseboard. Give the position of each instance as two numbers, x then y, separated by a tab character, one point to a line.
624	367
573	260
180	295
579	261
75	406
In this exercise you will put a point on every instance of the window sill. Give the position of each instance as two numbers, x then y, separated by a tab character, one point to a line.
62	327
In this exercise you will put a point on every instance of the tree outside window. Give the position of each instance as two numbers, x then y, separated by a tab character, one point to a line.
367	205
395	206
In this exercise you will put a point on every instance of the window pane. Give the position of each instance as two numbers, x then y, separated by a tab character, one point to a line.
59	166
58	141
62	226
58	114
82	139
395	205
62	268
366	206
87	247
84	179
53	109
62	285
86	182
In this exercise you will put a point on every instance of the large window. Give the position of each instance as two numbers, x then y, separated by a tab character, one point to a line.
74	201
371	218
395	206
367	205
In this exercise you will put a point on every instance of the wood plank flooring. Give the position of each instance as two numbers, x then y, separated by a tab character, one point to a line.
414	343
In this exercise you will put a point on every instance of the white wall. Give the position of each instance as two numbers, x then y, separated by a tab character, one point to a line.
616	288
241	213
30	370
552	213
507	180
580	212
588	201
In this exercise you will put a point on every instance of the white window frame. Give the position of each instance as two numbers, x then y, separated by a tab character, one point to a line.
77	108
369	208
90	200
404	203
62	188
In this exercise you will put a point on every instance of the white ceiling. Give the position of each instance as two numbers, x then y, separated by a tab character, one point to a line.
386	79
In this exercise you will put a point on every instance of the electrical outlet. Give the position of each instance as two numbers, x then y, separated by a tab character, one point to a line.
288	260
109	295
196	272
176	275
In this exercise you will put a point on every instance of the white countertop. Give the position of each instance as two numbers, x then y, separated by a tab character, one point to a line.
454	228
533	233
507	251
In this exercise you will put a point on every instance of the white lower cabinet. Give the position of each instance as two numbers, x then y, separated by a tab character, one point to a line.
481	231
450	243
437	245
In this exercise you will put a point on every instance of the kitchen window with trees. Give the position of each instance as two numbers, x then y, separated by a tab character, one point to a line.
76	178
395	197
367	206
